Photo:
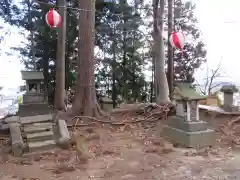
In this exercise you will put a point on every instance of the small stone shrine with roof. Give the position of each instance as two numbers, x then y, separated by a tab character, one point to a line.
185	128
34	102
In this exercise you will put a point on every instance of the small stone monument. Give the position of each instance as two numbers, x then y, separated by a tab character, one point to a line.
228	91
106	103
33	100
185	128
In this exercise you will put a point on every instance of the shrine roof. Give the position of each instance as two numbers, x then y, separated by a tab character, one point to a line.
32	75
185	91
231	88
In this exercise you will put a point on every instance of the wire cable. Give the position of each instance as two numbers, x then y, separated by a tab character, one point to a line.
79	9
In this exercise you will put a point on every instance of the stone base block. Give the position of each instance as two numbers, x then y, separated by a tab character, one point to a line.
189	139
34	109
16	138
12	119
179	123
64	140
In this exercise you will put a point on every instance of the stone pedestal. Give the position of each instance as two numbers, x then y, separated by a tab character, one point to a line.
228	91
33	98
228	101
34	109
33	104
188	133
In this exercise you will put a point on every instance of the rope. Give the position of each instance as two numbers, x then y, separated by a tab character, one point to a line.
79	9
117	14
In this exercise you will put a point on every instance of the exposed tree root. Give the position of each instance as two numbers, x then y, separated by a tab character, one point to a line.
149	112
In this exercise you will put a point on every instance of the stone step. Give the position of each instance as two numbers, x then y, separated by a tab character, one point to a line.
41	145
48	151
41	136
37	127
35	119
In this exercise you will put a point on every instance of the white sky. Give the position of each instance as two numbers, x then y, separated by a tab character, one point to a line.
220	37
10	66
219	21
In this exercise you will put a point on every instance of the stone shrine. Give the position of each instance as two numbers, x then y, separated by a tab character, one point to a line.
106	104
34	102
35	129
185	128
228	91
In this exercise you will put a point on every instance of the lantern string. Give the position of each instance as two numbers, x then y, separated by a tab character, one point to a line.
100	12
117	14
79	9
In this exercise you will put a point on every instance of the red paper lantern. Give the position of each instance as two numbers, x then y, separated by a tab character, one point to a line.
53	18
177	39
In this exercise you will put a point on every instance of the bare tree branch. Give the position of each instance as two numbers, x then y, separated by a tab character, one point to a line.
207	82
214	75
208	86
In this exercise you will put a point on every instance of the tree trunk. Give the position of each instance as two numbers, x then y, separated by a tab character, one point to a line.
161	85
170	49
152	82
60	62
114	90
85	101
123	4
45	73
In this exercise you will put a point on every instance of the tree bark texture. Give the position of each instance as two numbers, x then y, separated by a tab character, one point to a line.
114	89
85	101
161	84
170	49
60	62
45	73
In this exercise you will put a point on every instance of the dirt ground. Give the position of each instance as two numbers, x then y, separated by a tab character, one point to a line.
133	152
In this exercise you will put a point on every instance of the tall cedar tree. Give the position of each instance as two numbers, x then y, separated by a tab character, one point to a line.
161	85
85	101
